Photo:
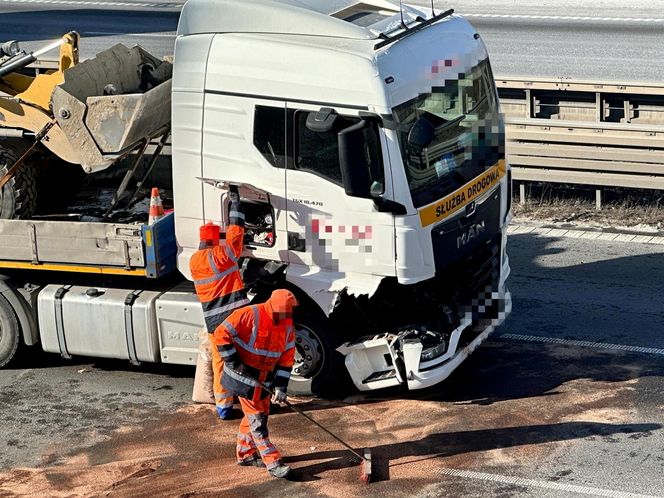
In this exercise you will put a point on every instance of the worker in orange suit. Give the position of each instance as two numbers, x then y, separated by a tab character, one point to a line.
258	342
214	269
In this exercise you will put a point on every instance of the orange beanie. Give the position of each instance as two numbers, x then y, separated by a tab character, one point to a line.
209	232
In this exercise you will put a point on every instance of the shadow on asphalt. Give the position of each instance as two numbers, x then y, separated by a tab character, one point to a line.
448	444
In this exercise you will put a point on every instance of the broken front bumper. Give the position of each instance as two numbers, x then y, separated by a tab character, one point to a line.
387	359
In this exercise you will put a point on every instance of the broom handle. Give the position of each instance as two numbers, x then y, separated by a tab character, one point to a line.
297	410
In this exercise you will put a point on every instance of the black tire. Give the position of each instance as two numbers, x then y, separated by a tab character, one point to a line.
18	198
330	377
9	332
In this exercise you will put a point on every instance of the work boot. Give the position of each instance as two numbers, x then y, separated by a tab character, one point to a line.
252	461
280	470
225	413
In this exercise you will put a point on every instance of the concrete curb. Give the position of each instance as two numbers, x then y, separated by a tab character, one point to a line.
545	229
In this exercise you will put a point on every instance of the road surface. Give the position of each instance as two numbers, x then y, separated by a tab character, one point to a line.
566	400
595	39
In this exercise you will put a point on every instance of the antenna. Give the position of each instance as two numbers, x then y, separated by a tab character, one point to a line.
433	13
403	24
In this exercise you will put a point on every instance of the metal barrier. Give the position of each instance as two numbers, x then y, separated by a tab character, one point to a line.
584	132
575	131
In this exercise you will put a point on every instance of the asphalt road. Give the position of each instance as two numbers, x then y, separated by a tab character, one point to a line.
534	412
595	39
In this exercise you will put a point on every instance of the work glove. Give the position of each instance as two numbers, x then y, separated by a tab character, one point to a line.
279	396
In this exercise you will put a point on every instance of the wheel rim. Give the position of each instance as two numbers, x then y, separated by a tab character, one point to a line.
309	354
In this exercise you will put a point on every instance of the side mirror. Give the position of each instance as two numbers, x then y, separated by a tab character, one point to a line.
353	161
421	134
321	121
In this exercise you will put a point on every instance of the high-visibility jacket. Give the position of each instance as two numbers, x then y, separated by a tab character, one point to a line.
265	349
216	274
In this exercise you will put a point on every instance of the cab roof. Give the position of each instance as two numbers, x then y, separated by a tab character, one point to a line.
351	19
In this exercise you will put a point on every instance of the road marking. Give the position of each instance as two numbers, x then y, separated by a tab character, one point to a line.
516	229
566	18
157	5
536	483
583	344
142	35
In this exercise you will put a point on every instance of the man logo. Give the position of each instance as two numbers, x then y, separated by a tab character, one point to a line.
472	232
470	209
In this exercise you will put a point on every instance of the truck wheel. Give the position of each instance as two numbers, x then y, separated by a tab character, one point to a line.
9	332
319	369
18	198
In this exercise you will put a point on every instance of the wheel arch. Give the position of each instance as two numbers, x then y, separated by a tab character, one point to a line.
27	318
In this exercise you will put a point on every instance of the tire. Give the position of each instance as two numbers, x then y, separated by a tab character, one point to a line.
319	370
18	198
9	332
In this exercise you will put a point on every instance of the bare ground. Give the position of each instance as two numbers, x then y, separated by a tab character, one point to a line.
627	209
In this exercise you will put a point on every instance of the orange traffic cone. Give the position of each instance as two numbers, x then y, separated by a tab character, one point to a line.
156	208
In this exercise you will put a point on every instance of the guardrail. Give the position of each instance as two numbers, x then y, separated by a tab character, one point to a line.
584	132
575	131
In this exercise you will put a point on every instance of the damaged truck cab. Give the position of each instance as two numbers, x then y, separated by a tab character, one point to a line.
373	141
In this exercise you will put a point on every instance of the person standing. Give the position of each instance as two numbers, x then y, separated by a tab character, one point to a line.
258	342
219	286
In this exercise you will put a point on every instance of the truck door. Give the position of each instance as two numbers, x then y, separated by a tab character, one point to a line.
328	230
244	142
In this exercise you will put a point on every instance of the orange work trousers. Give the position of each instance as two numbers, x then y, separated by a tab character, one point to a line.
253	434
221	397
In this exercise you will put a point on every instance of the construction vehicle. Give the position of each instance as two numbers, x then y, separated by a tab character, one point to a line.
107	107
368	145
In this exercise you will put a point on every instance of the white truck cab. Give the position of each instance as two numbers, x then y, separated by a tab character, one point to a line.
368	144
378	135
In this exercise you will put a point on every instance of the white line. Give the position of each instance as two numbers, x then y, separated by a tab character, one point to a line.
162	5
142	35
566	18
533	483
584	344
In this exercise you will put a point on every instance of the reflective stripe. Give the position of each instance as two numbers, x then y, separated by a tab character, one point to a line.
230	328
227	352
222	309
283	373
260	352
254	330
245	437
269	451
243	448
289	346
212	264
230	253
238	377
236	214
217	276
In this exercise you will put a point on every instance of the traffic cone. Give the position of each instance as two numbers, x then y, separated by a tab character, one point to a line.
156	208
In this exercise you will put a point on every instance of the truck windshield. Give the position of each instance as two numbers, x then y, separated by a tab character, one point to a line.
458	135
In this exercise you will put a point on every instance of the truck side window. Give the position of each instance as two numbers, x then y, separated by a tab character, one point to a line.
317	152
270	134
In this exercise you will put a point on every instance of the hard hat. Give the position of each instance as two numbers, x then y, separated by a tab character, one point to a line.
209	232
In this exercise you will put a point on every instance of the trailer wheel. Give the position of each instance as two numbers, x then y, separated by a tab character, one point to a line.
319	369
9	332
18	198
